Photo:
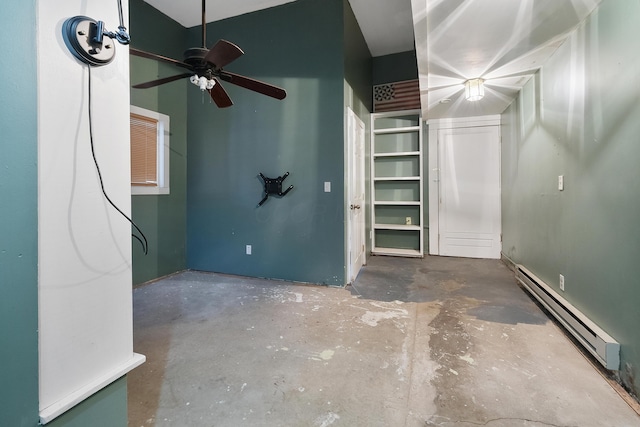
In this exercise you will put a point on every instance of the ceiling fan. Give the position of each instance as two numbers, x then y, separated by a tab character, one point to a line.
205	69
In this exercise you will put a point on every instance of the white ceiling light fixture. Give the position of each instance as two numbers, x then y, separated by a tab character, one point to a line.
474	89
202	82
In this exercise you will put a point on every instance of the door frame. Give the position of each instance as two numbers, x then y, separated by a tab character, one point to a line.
352	117
435	125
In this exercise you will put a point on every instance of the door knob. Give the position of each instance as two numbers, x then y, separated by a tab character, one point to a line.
355	207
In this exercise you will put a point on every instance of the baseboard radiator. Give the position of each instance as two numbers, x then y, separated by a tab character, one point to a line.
600	344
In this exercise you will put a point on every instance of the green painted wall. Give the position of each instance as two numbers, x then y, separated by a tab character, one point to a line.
357	65
301	236
18	219
162	218
358	97
395	68
107	408
579	118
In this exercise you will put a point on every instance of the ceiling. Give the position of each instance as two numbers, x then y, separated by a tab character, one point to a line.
503	42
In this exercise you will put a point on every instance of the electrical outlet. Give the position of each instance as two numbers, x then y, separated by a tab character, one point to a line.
561	282
561	182
407	220
248	249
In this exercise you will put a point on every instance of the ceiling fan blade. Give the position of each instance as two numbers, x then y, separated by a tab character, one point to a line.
222	53
148	55
159	82
220	96
254	85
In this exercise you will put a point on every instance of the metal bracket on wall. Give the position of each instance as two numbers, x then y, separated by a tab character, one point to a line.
274	186
85	39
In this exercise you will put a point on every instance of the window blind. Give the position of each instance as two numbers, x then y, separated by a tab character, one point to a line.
144	150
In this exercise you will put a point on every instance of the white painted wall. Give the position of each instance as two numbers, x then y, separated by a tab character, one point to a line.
84	245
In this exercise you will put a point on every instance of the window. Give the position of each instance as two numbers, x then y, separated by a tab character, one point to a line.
149	152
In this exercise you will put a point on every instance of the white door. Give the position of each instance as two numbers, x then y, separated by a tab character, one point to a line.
469	205
356	198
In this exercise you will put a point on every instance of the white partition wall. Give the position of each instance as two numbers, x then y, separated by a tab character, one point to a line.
84	245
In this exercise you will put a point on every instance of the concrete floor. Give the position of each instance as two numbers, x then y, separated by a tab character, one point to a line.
415	342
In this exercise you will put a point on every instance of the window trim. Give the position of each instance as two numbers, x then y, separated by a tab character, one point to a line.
162	151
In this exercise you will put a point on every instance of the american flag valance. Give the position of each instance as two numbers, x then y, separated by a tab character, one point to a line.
396	96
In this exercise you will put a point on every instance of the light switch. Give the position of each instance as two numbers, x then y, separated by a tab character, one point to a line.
327	187
561	182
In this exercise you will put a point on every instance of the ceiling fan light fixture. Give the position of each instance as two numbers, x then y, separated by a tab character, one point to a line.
474	89
208	64
202	82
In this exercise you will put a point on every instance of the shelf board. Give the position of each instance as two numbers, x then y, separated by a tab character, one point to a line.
397	130
397	154
412	227
397	170
397	252
395	203
397	178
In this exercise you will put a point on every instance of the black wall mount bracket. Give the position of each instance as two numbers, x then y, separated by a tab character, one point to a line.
81	35
274	186
85	38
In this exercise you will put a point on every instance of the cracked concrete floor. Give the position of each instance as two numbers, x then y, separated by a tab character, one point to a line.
414	342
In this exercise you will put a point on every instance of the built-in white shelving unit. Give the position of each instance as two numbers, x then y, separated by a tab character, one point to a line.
397	184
